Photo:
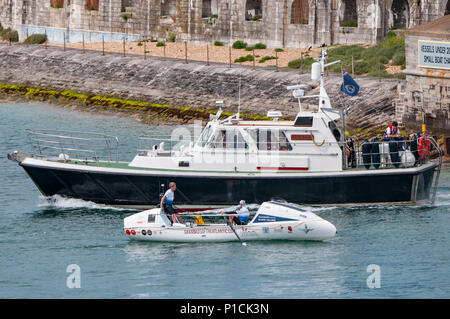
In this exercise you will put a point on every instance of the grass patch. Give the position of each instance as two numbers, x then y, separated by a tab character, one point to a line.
9	34
301	63
279	50
218	44
160	44
267	58
247	58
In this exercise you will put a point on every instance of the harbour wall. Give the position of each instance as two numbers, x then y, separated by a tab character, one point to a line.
193	84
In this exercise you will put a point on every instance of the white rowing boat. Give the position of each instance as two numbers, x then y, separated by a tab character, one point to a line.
272	221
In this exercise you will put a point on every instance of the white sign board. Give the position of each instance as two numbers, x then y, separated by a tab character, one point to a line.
434	54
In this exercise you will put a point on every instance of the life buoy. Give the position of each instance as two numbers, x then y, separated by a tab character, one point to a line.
423	146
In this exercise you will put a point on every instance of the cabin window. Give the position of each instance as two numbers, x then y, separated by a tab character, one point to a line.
151	218
300	12
168	7
229	139
253	10
306	121
349	15
270	140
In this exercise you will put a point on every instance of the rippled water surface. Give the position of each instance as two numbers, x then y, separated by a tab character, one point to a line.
38	241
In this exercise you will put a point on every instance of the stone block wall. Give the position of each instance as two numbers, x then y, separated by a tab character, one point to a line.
278	23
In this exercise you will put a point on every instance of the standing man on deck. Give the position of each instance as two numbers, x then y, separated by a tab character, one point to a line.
167	201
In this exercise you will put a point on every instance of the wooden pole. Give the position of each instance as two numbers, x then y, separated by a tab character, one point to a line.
207	55
164	48
145	50
46	40
64	35
230	55
276	60
185	52
83	44
253	52
103	45
123	46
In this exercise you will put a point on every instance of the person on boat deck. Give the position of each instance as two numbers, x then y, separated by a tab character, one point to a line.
241	216
392	131
167	201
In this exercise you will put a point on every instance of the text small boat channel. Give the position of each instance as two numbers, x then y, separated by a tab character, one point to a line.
272	221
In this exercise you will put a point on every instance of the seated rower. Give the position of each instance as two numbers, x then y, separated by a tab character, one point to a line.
241	216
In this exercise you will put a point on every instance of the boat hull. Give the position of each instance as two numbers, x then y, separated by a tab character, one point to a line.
141	188
319	230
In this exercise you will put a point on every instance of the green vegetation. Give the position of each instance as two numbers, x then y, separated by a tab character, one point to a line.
239	45
91	8
36	39
267	58
350	24
256	18
171	37
244	59
372	61
305	63
218	44
214	16
160	44
147	110
58	6
125	17
260	46
9	34
279	50
139	44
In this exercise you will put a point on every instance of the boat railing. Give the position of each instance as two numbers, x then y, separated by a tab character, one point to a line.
162	144
65	145
377	153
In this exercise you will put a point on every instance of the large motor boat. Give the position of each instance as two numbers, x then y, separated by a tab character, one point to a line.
309	160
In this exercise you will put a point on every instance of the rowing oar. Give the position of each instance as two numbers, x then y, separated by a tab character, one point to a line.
234	231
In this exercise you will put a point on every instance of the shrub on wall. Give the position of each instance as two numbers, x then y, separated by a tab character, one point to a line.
9	35
36	39
239	45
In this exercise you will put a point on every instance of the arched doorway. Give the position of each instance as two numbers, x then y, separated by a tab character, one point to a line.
253	10
349	14
400	13
447	8
168	7
300	12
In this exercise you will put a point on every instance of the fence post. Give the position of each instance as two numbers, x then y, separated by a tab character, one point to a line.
230	54
276	60
46	39
164	48
207	55
145	49
185	52
103	45
123	46
83	44
64	35
253	52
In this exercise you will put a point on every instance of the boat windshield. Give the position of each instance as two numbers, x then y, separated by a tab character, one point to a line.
230	139
204	137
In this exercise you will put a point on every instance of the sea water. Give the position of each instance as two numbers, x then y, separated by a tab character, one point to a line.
77	249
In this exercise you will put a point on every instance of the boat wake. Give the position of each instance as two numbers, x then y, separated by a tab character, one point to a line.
61	202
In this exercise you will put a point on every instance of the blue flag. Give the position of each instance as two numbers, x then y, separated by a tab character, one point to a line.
349	86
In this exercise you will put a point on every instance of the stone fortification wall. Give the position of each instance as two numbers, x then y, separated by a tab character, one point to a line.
169	81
